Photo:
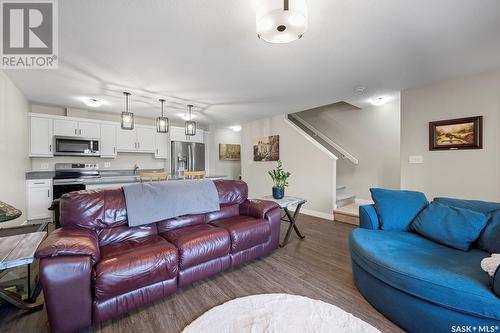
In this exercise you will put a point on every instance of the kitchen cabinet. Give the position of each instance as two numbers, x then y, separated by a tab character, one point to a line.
108	141
39	198
41	137
140	139
89	130
161	143
63	127
145	139
179	134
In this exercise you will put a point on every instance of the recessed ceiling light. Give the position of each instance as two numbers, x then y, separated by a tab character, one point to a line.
235	128
92	102
378	101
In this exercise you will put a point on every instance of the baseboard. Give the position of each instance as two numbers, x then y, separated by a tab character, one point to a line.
314	213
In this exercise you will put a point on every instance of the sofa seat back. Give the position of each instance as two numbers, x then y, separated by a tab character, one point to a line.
104	211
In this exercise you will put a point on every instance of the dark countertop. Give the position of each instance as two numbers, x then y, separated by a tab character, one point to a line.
110	176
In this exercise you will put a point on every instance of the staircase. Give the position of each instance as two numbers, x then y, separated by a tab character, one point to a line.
346	210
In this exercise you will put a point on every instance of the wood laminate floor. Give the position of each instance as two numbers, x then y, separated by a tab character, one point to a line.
317	267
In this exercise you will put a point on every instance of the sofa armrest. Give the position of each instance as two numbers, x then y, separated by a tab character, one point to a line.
496	282
266	210
257	208
368	218
70	242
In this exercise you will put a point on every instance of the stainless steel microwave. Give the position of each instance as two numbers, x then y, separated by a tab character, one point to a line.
75	146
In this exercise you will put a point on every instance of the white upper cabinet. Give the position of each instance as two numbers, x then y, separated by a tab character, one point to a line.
41	137
126	140
179	134
63	127
89	130
145	139
161	145
140	139
112	139
108	141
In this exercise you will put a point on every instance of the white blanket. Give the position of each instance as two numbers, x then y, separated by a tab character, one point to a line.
490	264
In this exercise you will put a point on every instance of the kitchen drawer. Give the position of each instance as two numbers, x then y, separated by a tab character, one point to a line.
39	183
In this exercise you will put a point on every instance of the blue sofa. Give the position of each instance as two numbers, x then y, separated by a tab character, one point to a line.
420	285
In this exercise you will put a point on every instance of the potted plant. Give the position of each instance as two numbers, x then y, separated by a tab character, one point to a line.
280	179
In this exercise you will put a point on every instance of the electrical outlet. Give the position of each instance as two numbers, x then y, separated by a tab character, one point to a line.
416	159
107	164
44	166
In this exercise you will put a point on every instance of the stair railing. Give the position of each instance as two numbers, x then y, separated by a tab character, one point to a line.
316	133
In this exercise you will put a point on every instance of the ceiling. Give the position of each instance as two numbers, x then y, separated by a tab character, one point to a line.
206	53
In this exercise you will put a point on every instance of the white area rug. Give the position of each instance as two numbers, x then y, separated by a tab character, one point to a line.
272	313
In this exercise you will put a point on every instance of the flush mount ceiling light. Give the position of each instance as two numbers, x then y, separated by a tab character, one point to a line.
93	102
235	128
378	101
162	122
190	129
127	117
281	21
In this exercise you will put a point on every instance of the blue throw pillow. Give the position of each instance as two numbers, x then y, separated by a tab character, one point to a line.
489	240
396	209
452	226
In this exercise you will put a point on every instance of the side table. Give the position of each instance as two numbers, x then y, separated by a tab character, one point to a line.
284	204
16	251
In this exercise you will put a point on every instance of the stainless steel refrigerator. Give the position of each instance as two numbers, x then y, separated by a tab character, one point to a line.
187	156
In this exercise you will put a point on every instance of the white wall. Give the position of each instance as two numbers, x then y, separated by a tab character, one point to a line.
371	135
14	161
312	170
218	135
459	173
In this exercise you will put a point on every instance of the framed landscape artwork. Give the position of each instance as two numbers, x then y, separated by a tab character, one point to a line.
267	149
229	152
462	133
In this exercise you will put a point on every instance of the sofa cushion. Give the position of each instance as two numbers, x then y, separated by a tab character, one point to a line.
199	243
397	208
129	265
245	231
427	270
452	226
488	240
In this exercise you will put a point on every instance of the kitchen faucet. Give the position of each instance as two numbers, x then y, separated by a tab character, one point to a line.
136	168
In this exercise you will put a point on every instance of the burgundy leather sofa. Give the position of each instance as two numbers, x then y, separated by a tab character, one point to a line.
96	267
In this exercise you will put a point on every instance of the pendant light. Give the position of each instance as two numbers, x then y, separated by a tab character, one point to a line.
190	124
162	122
281	21
127	117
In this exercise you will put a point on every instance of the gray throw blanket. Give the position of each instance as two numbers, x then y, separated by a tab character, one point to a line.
154	202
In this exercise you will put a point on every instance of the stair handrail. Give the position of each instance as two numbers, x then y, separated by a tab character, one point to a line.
344	153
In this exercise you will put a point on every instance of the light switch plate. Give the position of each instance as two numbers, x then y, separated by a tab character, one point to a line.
107	164
44	166
416	159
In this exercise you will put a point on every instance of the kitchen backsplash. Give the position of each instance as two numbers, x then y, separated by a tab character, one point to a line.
124	161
